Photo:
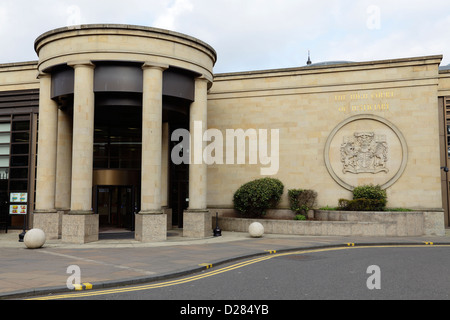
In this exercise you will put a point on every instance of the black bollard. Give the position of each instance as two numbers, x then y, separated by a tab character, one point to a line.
217	231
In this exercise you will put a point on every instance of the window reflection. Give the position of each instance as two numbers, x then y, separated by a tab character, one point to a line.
117	147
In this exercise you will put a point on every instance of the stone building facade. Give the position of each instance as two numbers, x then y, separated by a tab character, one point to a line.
107	106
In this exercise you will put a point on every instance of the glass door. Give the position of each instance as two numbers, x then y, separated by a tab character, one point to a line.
125	208
115	206
104	205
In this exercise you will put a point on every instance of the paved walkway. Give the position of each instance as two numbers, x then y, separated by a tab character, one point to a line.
107	263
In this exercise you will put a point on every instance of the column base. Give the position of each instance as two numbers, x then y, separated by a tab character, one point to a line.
80	228
168	212
151	226
50	222
197	224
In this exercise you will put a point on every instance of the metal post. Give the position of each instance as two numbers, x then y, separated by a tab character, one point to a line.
217	231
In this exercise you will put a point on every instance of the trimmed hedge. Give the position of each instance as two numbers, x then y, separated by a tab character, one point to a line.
254	198
370	192
362	205
365	198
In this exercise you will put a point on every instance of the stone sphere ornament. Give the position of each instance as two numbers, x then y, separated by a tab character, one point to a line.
256	230
34	239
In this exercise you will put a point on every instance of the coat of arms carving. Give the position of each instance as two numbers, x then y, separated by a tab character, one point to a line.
365	152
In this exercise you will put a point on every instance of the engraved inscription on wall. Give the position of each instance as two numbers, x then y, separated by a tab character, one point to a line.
365	152
376	101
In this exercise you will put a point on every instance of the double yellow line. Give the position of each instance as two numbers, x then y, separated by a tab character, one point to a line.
212	273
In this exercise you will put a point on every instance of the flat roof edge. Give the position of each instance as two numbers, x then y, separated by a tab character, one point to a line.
19	64
332	66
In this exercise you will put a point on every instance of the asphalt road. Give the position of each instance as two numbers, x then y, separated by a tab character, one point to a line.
373	273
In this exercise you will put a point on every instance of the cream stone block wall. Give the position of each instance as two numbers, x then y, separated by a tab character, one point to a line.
307	104
19	76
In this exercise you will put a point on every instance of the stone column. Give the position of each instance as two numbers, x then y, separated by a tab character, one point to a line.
80	225
45	215
165	175
63	166
151	222
197	221
64	162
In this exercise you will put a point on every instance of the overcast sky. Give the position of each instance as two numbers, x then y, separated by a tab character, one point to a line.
250	34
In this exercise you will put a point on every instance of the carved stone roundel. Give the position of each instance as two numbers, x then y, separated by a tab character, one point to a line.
366	149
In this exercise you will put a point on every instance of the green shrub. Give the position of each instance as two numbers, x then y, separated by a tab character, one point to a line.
365	198
370	192
302	201
300	217
362	205
254	198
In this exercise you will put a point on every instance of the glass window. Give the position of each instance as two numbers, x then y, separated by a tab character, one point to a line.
19	161
21	137
4	173
4	150
21	125
18	185
4	161
5	127
5	137
20	149
100	150
18	173
100	163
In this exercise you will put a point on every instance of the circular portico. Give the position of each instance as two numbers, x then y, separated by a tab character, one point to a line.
109	97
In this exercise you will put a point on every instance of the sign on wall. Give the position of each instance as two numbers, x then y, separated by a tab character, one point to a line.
18	203
18	209
18	198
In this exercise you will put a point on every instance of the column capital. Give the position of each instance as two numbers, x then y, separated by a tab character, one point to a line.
43	75
81	63
202	78
154	65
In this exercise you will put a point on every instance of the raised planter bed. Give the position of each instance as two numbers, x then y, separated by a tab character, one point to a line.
343	223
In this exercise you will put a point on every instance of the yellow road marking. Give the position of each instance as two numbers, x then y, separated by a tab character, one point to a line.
213	272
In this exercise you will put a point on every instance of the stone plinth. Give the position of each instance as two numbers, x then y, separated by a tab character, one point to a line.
434	223
151	227
80	228
49	222
197	224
